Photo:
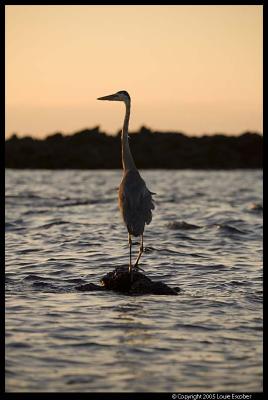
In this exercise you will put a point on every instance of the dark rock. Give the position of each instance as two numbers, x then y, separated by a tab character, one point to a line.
143	286
119	281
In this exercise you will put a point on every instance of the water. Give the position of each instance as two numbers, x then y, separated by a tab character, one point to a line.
63	228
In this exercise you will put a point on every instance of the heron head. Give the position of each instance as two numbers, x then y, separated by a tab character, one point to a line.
122	95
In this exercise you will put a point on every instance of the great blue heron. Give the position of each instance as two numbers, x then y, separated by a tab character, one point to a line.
135	199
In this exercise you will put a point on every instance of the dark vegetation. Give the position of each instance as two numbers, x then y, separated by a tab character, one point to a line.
93	149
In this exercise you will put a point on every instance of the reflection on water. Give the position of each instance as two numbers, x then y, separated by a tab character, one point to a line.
63	228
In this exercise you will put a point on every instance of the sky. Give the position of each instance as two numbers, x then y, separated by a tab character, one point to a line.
193	69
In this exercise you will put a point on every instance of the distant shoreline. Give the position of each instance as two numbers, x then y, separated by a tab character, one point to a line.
93	149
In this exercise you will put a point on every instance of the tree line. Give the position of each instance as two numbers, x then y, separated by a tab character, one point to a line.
93	149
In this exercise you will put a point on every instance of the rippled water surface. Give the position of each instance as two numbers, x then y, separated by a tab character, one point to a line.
63	228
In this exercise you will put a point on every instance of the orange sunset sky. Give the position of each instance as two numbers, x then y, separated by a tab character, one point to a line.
196	69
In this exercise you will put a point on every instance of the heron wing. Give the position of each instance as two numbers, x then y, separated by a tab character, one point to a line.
147	204
136	204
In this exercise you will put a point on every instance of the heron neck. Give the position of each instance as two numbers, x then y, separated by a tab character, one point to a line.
127	159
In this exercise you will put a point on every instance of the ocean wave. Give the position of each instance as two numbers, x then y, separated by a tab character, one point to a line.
182	225
59	202
12	226
53	223
73	236
229	229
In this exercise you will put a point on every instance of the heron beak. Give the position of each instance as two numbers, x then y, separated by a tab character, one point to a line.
110	97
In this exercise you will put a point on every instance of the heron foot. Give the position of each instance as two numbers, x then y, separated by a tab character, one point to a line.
137	267
130	270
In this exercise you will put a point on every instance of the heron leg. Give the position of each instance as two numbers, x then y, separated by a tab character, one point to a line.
130	263
140	253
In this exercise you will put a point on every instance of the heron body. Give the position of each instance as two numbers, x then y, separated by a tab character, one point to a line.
134	198
135	202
